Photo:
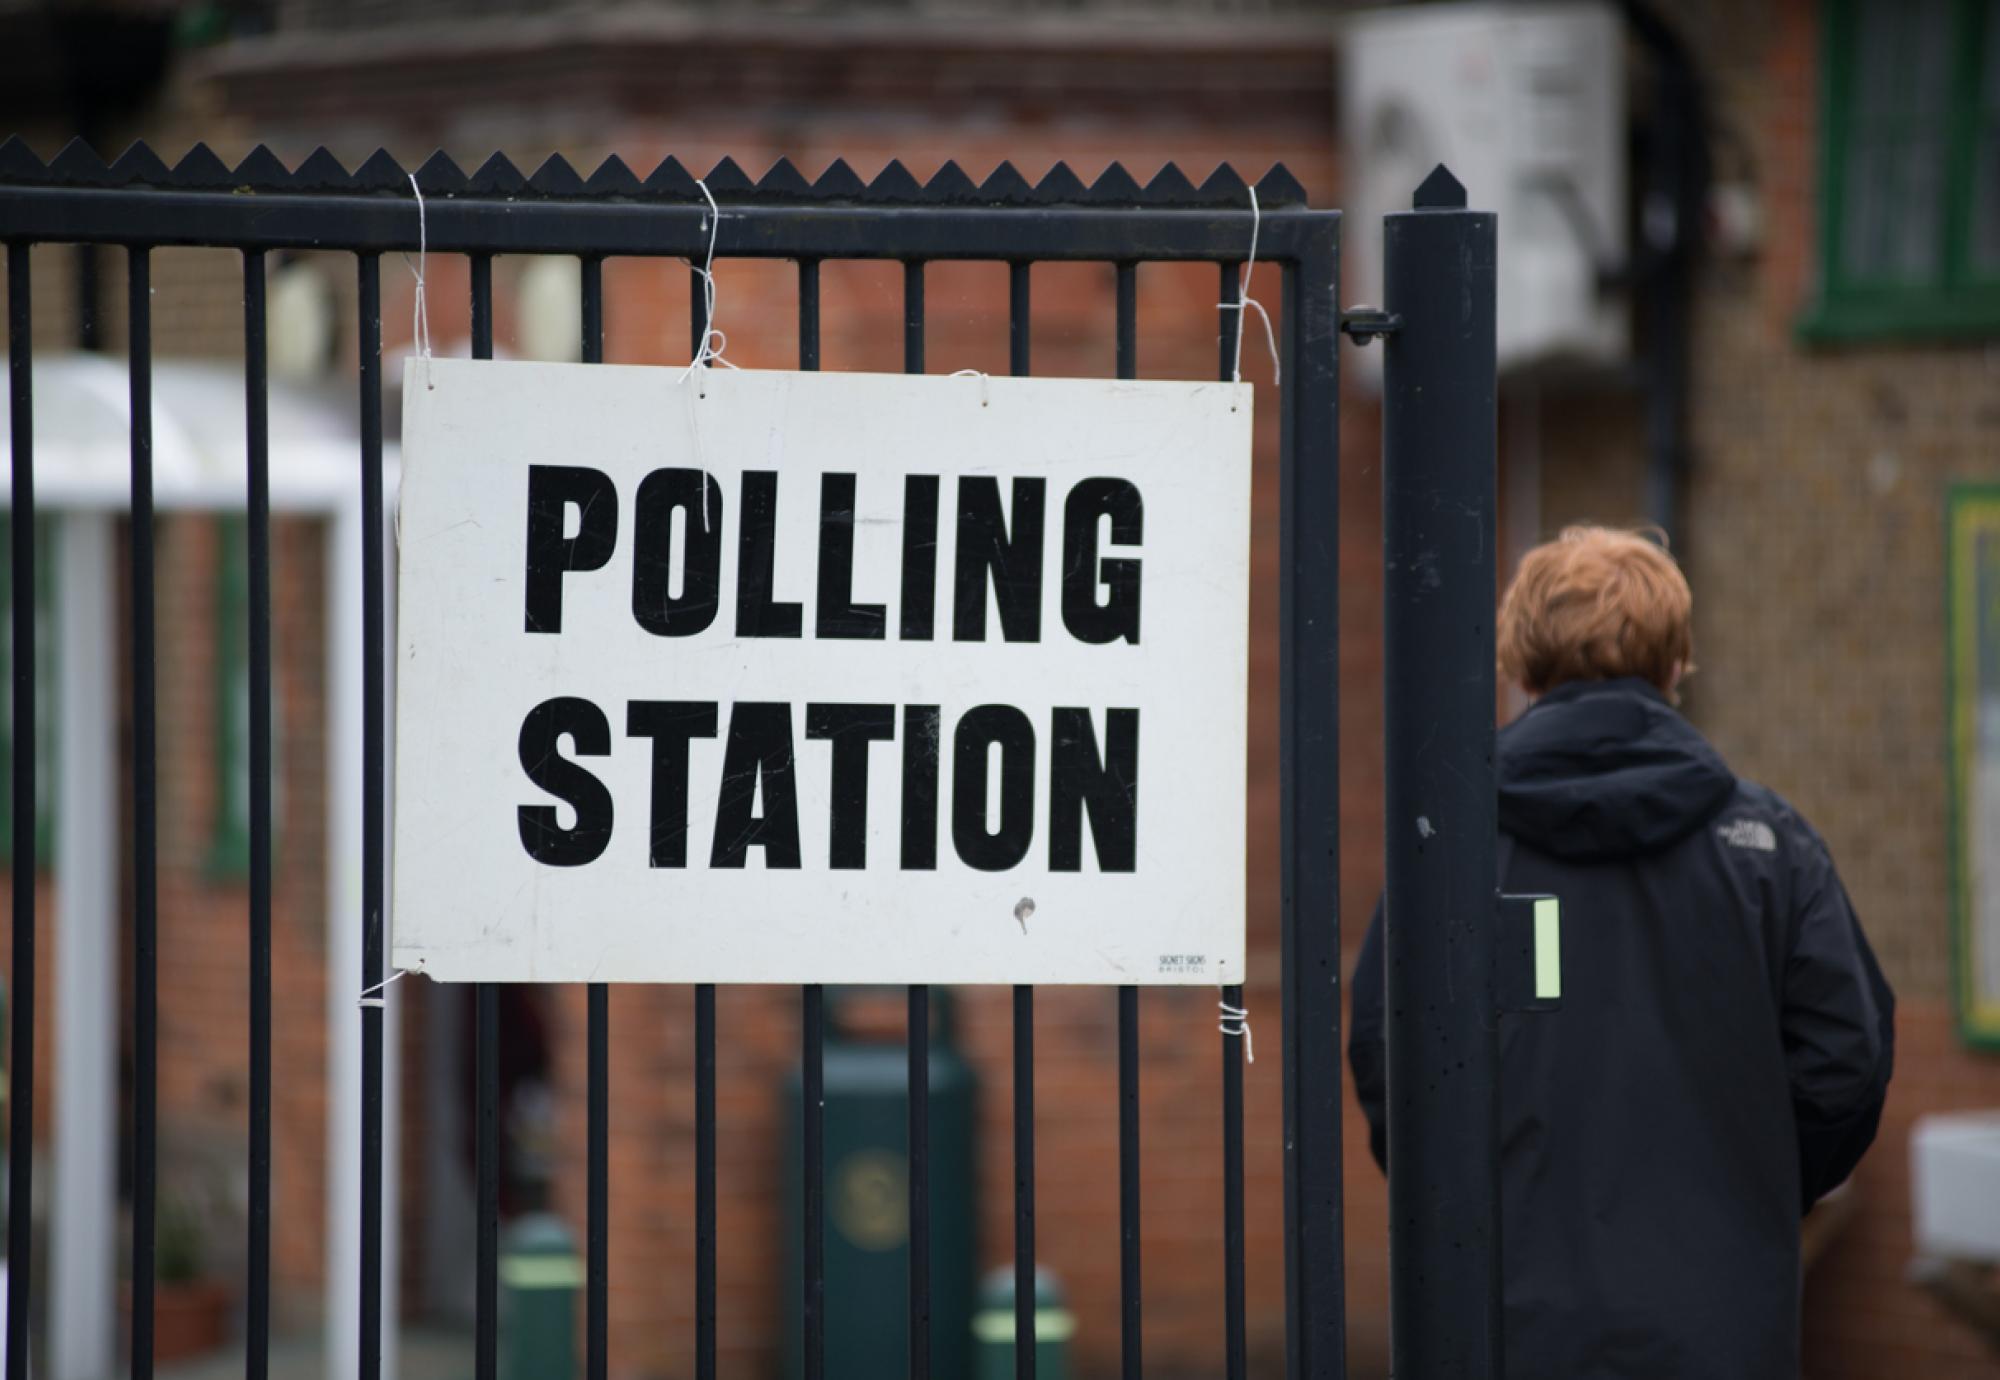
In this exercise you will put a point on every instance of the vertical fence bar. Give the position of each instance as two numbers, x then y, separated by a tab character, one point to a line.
373	738
597	1229
919	1171
813	1285
1230	320
598	1209
1126	276
1132	1353
145	815
697	313
704	1181
1438	502
597	1212
919	1032
1024	1183
913	316
485	1032
1018	354
1018	363
257	523
21	1012
808	313
486	1153
1309	809
593	309
89	333
1129	1311
813	1012
1234	1341
704	1062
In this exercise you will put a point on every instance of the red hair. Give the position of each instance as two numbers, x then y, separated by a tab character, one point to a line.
1597	604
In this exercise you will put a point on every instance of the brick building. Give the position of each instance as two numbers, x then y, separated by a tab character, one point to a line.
1823	423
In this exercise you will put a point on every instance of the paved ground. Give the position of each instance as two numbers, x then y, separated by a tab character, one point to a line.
426	1354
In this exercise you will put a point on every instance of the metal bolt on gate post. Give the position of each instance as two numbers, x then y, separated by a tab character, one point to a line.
1438	524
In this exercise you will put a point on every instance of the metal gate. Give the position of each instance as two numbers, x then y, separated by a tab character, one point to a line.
137	203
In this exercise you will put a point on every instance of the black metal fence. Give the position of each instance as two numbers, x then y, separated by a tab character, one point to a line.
260	206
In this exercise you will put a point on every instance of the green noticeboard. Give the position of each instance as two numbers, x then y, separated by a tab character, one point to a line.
1973	751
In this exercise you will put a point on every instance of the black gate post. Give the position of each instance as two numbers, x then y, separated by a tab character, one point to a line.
1438	533
1309	800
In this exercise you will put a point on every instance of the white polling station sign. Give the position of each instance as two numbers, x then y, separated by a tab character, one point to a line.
782	677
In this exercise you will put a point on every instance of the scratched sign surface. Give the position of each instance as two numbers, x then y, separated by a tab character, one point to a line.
776	677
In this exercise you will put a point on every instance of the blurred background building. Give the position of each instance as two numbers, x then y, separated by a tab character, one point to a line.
1750	291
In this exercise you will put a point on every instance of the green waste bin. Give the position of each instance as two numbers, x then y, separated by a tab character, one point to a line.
540	1275
867	1224
993	1327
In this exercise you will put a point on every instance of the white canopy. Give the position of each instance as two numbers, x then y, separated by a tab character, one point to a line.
83	429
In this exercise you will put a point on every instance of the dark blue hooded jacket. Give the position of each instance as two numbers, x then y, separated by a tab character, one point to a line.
1719	1061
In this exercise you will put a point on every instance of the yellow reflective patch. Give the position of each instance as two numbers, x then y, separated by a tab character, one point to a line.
1548	949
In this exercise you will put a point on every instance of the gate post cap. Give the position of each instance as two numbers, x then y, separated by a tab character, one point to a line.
1440	191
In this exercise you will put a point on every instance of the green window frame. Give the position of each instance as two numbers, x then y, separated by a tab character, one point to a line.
1972	747
1910	119
229	846
47	774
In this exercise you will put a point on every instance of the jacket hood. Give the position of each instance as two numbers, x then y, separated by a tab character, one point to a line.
1598	770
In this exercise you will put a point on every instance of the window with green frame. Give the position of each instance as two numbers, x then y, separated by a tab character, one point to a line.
1972	606
229	848
1910	170
46	773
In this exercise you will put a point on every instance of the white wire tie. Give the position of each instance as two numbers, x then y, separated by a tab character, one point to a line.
1246	303
372	996
713	342
708	350
1235	1023
979	374
420	316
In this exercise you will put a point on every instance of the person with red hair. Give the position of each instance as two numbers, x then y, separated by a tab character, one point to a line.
1725	1039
